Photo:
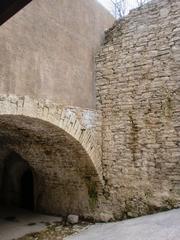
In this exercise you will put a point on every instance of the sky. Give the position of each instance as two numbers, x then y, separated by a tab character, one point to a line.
107	4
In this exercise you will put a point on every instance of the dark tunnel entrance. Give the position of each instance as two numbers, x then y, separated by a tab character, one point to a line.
27	190
17	182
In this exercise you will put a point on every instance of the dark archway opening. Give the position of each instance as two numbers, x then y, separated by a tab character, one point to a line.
17	182
27	190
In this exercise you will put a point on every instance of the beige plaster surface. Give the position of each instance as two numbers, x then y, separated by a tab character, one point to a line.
47	50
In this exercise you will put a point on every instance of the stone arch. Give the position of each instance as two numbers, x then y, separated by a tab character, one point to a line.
65	171
66	179
63	117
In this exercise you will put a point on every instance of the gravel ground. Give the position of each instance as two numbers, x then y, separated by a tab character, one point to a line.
54	232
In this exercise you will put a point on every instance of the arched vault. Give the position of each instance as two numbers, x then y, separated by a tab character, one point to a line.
66	119
60	146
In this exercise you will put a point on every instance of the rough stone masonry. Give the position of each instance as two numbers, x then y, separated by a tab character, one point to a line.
138	86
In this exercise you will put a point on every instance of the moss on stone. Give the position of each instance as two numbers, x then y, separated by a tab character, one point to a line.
134	136
92	192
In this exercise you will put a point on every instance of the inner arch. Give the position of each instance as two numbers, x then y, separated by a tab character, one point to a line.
63	180
27	190
17	184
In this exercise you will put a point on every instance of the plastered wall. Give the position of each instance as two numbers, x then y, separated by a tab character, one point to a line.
47	50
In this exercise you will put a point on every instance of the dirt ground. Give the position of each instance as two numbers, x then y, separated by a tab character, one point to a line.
20	224
54	232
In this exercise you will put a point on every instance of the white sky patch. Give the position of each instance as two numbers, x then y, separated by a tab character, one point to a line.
108	4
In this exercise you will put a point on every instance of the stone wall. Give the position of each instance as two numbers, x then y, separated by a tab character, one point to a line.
47	50
137	80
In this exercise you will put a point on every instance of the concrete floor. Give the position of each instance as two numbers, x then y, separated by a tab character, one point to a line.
162	226
15	223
